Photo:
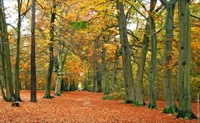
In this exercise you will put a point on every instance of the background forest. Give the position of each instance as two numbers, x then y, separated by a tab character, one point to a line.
87	42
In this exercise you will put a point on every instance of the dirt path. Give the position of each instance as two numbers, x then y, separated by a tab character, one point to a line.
82	107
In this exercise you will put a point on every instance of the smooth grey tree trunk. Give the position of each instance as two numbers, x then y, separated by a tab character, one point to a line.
6	54
51	55
170	106
116	62
95	69
61	60
59	77
126	57
140	72
153	40
185	107
17	79
104	70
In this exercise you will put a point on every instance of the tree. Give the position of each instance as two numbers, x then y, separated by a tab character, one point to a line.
153	40
8	78
51	55
97	85
170	106
126	58
140	71
33	65
17	79
185	108
60	61
115	70
2	92
104	69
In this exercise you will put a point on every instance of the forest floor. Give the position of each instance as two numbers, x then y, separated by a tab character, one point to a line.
83	107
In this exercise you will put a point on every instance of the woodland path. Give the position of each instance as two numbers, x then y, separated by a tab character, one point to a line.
83	107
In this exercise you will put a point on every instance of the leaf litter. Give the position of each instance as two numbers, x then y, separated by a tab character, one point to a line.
83	107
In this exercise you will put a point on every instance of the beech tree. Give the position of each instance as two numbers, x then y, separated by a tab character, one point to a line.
5	54
33	65
170	106
60	61
126	57
51	55
153	41
17	79
115	70
140	71
185	107
97	83
104	69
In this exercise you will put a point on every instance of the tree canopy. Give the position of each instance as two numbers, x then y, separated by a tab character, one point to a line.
129	49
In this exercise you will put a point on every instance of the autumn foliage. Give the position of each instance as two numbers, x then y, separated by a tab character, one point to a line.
83	107
87	50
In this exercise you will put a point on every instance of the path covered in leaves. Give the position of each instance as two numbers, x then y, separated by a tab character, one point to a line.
83	107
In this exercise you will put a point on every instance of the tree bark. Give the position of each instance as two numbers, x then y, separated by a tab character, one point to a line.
104	71
8	78
140	72
33	65
99	84
126	57
59	77
95	68
116	62
51	55
185	108
170	106
2	92
60	60
17	79
152	77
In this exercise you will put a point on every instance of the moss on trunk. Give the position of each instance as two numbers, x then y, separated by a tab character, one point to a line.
171	110
152	105
186	115
136	103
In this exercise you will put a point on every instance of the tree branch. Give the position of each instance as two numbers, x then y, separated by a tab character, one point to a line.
27	9
137	9
194	16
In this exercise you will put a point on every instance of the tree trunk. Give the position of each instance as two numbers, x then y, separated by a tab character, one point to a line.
87	79
58	86
185	108
126	57
99	84
140	72
170	106
51	56
59	76
3	67
104	70
33	65
6	54
17	79
95	64
2	92
152	77
61	61
116	62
